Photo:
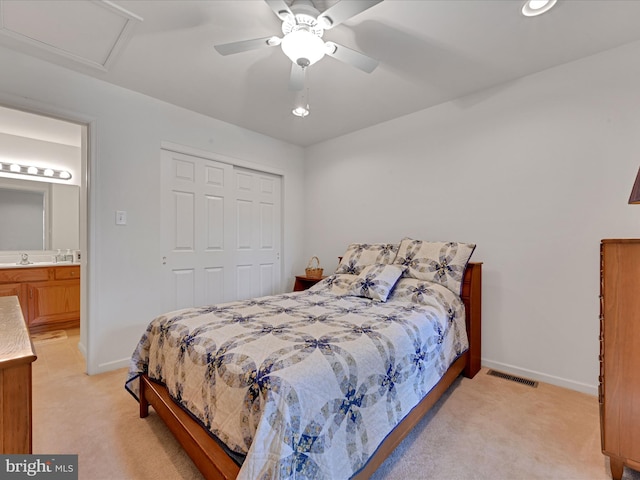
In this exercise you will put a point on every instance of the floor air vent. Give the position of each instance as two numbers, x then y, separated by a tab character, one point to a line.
513	378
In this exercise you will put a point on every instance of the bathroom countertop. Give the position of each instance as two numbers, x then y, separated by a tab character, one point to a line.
5	266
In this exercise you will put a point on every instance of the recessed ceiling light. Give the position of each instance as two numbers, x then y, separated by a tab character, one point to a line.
532	8
301	111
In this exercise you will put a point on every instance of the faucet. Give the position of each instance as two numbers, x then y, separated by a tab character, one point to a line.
24	259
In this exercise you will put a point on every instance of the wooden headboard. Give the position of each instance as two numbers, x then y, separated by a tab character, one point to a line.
472	298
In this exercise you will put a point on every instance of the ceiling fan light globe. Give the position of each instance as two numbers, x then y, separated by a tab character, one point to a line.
303	46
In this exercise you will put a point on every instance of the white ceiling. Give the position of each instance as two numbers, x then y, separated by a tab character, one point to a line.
430	51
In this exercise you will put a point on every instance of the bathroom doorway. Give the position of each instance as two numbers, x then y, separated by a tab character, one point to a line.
44	160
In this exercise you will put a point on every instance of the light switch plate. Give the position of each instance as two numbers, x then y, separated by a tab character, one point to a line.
121	217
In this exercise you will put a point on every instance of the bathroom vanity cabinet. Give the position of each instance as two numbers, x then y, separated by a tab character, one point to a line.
49	296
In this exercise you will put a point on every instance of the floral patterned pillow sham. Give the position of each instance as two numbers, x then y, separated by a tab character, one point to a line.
376	281
424	292
337	284
360	255
440	262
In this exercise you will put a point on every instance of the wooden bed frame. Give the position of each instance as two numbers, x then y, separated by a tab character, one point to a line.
213	461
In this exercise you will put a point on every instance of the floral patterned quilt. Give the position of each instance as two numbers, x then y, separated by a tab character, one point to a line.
305	384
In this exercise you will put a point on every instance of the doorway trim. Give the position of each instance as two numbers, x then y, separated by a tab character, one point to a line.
88	234
218	157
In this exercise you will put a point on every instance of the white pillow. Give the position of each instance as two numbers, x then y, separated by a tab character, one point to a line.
376	281
440	262
336	284
360	255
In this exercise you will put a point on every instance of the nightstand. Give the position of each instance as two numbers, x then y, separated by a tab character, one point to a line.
303	282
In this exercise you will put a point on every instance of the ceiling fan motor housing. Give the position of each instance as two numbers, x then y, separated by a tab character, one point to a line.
302	41
303	27
304	17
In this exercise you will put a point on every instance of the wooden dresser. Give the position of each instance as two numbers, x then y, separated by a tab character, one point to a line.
619	390
16	356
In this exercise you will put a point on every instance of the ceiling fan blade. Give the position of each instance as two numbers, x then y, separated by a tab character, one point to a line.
352	57
344	10
280	8
246	45
298	74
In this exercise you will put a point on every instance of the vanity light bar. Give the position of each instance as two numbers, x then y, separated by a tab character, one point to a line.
35	171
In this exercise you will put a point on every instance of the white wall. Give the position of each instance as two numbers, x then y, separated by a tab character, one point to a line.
124	263
534	172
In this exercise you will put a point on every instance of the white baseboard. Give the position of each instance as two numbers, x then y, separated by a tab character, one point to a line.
541	377
115	365
83	350
503	367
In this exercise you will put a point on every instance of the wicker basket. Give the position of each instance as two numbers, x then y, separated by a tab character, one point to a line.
311	271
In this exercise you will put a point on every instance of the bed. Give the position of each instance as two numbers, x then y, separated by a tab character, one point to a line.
322	383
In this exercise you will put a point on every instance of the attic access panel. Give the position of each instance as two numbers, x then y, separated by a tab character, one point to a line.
88	32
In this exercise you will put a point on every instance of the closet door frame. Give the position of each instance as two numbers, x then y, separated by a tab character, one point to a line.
199	272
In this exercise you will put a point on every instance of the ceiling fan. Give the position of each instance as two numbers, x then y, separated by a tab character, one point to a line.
303	27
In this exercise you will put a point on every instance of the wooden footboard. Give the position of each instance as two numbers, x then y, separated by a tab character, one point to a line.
213	461
206	453
469	363
412	419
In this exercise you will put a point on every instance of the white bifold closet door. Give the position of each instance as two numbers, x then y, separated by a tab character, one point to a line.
221	231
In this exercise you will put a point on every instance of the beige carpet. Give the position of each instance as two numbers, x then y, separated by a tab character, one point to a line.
48	337
485	428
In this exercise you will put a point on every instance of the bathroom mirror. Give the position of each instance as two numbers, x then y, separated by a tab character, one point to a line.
38	215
